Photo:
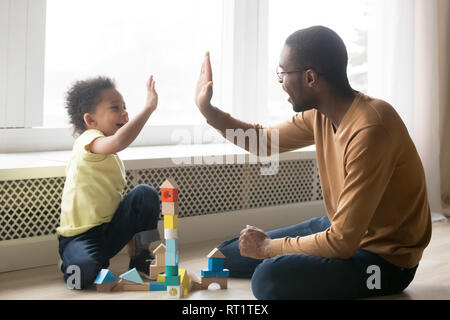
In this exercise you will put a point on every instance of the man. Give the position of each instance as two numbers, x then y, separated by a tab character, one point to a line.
378	218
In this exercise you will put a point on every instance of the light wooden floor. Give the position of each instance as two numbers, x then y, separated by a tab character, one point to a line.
432	279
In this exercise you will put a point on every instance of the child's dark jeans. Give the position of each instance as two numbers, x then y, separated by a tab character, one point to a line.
137	214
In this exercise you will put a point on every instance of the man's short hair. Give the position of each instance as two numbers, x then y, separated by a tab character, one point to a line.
321	49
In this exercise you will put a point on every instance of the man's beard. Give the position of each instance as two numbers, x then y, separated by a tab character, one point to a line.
301	108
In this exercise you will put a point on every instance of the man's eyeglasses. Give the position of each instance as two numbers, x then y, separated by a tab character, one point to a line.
281	74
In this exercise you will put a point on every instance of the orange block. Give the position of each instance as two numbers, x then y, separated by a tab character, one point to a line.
169	195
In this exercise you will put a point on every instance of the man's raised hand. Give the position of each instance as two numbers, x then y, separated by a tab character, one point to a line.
204	91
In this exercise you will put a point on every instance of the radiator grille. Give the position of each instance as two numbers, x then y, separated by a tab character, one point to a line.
31	207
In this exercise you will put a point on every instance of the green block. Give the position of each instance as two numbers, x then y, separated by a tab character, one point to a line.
172	280
171	270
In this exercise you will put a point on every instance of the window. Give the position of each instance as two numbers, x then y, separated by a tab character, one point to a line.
348	18
128	41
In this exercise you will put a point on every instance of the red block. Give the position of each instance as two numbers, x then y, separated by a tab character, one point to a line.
169	195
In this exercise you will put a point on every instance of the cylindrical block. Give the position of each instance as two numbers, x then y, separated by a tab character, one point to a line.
171	270
171	233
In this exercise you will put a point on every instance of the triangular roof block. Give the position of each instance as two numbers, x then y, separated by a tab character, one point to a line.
133	276
169	183
105	276
160	249
215	253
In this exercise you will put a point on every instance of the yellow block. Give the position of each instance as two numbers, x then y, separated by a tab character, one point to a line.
170	222
184	280
161	278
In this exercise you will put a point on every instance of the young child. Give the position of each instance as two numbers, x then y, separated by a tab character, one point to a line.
96	220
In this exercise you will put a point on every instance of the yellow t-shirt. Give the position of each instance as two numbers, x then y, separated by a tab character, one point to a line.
93	187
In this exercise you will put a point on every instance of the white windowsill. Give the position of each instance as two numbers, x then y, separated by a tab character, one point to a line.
32	165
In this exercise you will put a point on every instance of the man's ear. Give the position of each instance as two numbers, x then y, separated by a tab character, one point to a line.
311	78
88	119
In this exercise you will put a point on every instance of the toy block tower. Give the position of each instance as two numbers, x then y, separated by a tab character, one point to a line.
170	210
215	272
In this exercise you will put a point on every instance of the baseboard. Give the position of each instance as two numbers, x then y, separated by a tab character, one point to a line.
41	251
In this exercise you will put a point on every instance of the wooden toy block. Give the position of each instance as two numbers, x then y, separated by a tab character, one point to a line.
158	286
175	292
215	253
171	258
205	282
132	276
171	270
194	282
105	276
169	183
171	245
170	208
208	273
159	253
123	285
169	190
225	273
169	195
161	278
215	264
106	287
155	271
172	280
171	233
185	281
136	287
170	222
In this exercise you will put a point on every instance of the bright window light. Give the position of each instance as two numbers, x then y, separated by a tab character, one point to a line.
128	41
349	18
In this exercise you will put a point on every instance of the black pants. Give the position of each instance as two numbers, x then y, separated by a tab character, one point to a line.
137	214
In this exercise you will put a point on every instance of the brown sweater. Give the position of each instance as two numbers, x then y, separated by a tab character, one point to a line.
372	180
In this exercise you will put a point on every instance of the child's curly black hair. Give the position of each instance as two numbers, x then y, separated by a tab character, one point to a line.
83	97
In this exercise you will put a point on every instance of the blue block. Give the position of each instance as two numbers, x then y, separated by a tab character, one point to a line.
171	258
208	273
171	245
132	276
225	273
158	286
105	276
215	264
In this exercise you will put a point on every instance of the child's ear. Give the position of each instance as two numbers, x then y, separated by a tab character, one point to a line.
88	119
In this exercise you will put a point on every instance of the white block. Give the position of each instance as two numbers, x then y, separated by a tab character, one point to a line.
175	292
170	233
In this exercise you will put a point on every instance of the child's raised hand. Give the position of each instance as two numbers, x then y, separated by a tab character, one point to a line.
152	95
